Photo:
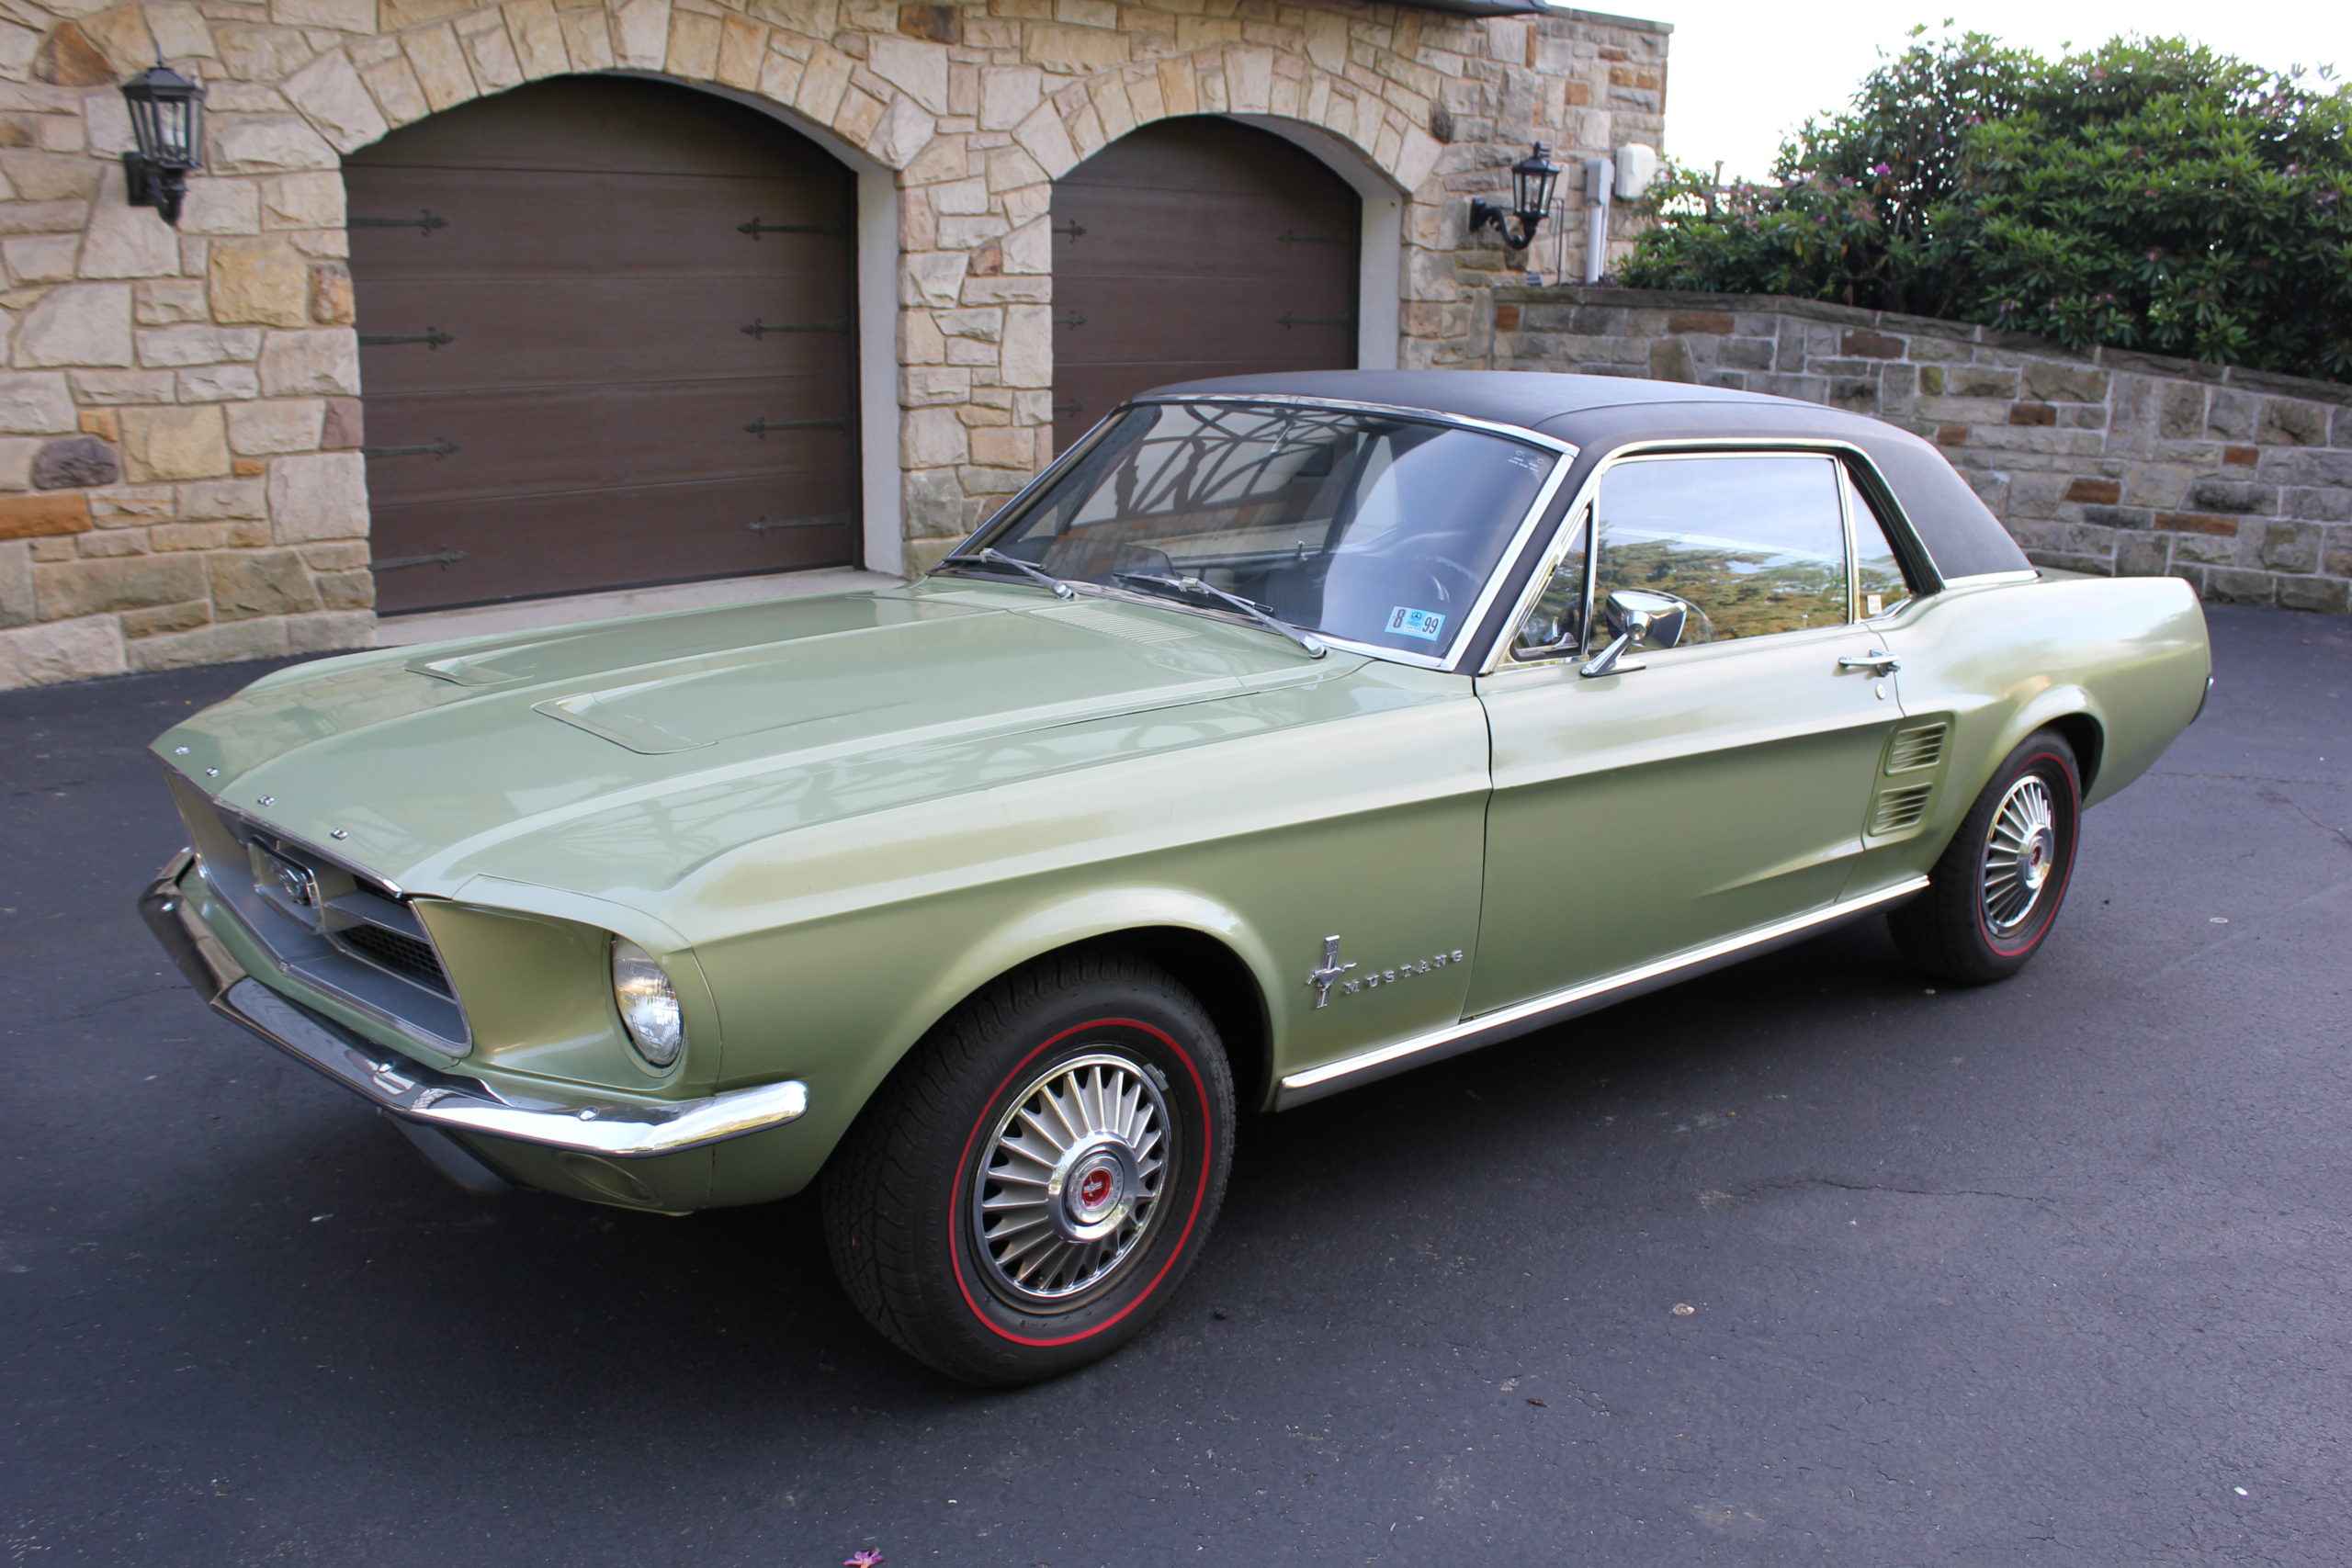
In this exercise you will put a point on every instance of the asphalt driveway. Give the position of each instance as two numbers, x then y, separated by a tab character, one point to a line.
1804	1263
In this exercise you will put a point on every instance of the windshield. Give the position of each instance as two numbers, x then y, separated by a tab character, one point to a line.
1369	528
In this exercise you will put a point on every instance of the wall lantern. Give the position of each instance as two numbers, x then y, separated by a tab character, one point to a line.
167	119
1532	179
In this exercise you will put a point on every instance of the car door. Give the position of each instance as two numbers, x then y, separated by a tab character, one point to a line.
1701	791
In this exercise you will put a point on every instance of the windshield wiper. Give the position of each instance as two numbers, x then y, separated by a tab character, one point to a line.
991	556
1312	645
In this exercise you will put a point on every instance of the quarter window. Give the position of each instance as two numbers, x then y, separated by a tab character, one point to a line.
1756	543
1878	571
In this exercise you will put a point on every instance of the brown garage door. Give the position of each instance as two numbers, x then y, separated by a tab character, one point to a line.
605	340
1191	248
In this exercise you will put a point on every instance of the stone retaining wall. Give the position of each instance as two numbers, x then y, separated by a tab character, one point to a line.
2103	461
179	408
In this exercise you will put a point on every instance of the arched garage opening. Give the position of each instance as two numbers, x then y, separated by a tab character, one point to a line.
608	339
1196	247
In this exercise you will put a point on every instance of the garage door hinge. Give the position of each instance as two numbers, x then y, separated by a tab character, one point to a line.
760	328
1075	319
439	447
442	559
760	428
829	520
432	338
1073	228
426	220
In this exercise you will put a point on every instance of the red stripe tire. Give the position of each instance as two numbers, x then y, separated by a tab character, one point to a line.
1997	889
1033	1182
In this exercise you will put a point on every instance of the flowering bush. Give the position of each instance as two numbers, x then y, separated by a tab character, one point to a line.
2148	194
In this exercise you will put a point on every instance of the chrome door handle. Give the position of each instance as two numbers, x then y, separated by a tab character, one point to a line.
1878	662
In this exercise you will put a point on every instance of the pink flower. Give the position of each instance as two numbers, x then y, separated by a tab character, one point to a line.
867	1558
1882	170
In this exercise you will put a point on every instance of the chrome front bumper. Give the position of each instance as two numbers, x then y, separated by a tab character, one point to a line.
613	1128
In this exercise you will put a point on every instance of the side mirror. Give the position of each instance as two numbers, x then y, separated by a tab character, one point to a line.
1640	618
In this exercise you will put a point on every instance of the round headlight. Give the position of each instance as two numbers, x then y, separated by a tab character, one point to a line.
649	1004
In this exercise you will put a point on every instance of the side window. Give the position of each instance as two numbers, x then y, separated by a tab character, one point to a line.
1555	623
1756	545
1878	571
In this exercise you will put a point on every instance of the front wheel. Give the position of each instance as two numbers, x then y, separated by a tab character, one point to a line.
1995	892
1030	1187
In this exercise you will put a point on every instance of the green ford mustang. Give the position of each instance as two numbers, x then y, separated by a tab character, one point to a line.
1289	732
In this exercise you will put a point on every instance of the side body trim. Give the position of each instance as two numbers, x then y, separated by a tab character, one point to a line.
1524	1018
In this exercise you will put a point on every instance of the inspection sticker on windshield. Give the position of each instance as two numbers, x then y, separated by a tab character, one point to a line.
1422	624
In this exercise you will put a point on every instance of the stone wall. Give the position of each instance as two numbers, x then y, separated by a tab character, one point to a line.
2103	461
179	410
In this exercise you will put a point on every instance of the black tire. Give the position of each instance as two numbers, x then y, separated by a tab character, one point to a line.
913	1248
1984	916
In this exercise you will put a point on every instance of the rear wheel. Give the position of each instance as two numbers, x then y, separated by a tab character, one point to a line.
1997	889
1033	1184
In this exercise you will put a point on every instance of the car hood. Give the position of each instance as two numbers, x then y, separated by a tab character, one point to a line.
620	756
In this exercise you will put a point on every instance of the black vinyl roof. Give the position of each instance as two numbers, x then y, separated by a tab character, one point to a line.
1599	414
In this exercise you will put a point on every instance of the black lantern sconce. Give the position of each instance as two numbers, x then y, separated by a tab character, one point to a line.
1532	179
167	119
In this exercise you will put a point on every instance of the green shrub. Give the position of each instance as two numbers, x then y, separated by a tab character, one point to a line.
2148	194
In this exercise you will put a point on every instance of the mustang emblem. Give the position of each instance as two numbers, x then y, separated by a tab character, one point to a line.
1332	970
299	885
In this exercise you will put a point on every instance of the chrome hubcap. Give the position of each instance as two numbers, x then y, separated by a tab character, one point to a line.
1070	1181
2019	853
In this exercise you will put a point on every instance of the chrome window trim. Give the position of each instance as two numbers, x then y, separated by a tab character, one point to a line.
1563	458
1850	457
1993	578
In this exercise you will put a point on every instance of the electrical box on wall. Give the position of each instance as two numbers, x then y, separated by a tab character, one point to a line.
1636	167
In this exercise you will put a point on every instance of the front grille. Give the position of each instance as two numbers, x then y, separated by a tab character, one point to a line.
326	922
403	955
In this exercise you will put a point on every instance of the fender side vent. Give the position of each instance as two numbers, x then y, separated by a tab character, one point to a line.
1899	810
1920	746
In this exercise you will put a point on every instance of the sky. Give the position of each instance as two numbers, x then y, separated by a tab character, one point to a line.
1743	75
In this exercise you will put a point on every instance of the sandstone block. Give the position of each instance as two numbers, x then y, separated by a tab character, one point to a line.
221	207
2328	596
73	462
210	645
191	345
40	258
35	403
62	650
169	301
331	302
69	60
342	425
235	499
246	583
180	442
2290	422
127	582
262	280
328	90
321	496
330	632
931	439
17	455
322	362
217	384
43	517
43	217
77	323
266	144
917	69
276	425
17	605
346	589
302	201
440	66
